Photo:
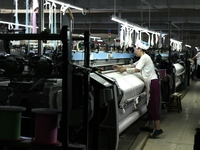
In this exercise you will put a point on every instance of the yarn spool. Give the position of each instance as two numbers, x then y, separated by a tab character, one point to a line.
46	126
10	122
162	73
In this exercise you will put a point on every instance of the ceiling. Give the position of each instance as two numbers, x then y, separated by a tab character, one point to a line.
179	18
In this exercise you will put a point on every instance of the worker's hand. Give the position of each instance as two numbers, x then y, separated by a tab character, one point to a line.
133	66
116	67
191	60
122	69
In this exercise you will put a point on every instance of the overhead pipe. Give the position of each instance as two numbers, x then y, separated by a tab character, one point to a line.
177	28
148	4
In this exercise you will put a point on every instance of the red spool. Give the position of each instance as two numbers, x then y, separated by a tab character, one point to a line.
46	126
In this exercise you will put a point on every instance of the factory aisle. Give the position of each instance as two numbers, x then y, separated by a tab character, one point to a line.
179	128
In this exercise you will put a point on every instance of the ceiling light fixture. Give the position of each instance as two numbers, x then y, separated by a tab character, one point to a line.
131	25
189	46
11	23
175	41
116	19
65	4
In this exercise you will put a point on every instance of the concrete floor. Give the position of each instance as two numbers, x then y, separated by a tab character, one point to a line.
179	128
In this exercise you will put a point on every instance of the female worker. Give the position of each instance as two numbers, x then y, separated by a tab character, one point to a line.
145	68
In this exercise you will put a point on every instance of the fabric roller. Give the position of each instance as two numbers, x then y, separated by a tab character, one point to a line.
130	84
179	69
179	72
132	104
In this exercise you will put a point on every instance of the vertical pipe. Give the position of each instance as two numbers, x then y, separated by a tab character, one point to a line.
35	6
189	38
51	17
55	22
141	14
169	34
41	25
114	7
86	87
182	32
61	20
16	15
27	23
66	86
27	16
55	27
149	16
87	50
34	22
186	40
119	25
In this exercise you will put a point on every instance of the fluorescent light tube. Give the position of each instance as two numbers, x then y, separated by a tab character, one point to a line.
11	23
62	3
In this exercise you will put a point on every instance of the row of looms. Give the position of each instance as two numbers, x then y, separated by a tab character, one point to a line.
101	102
